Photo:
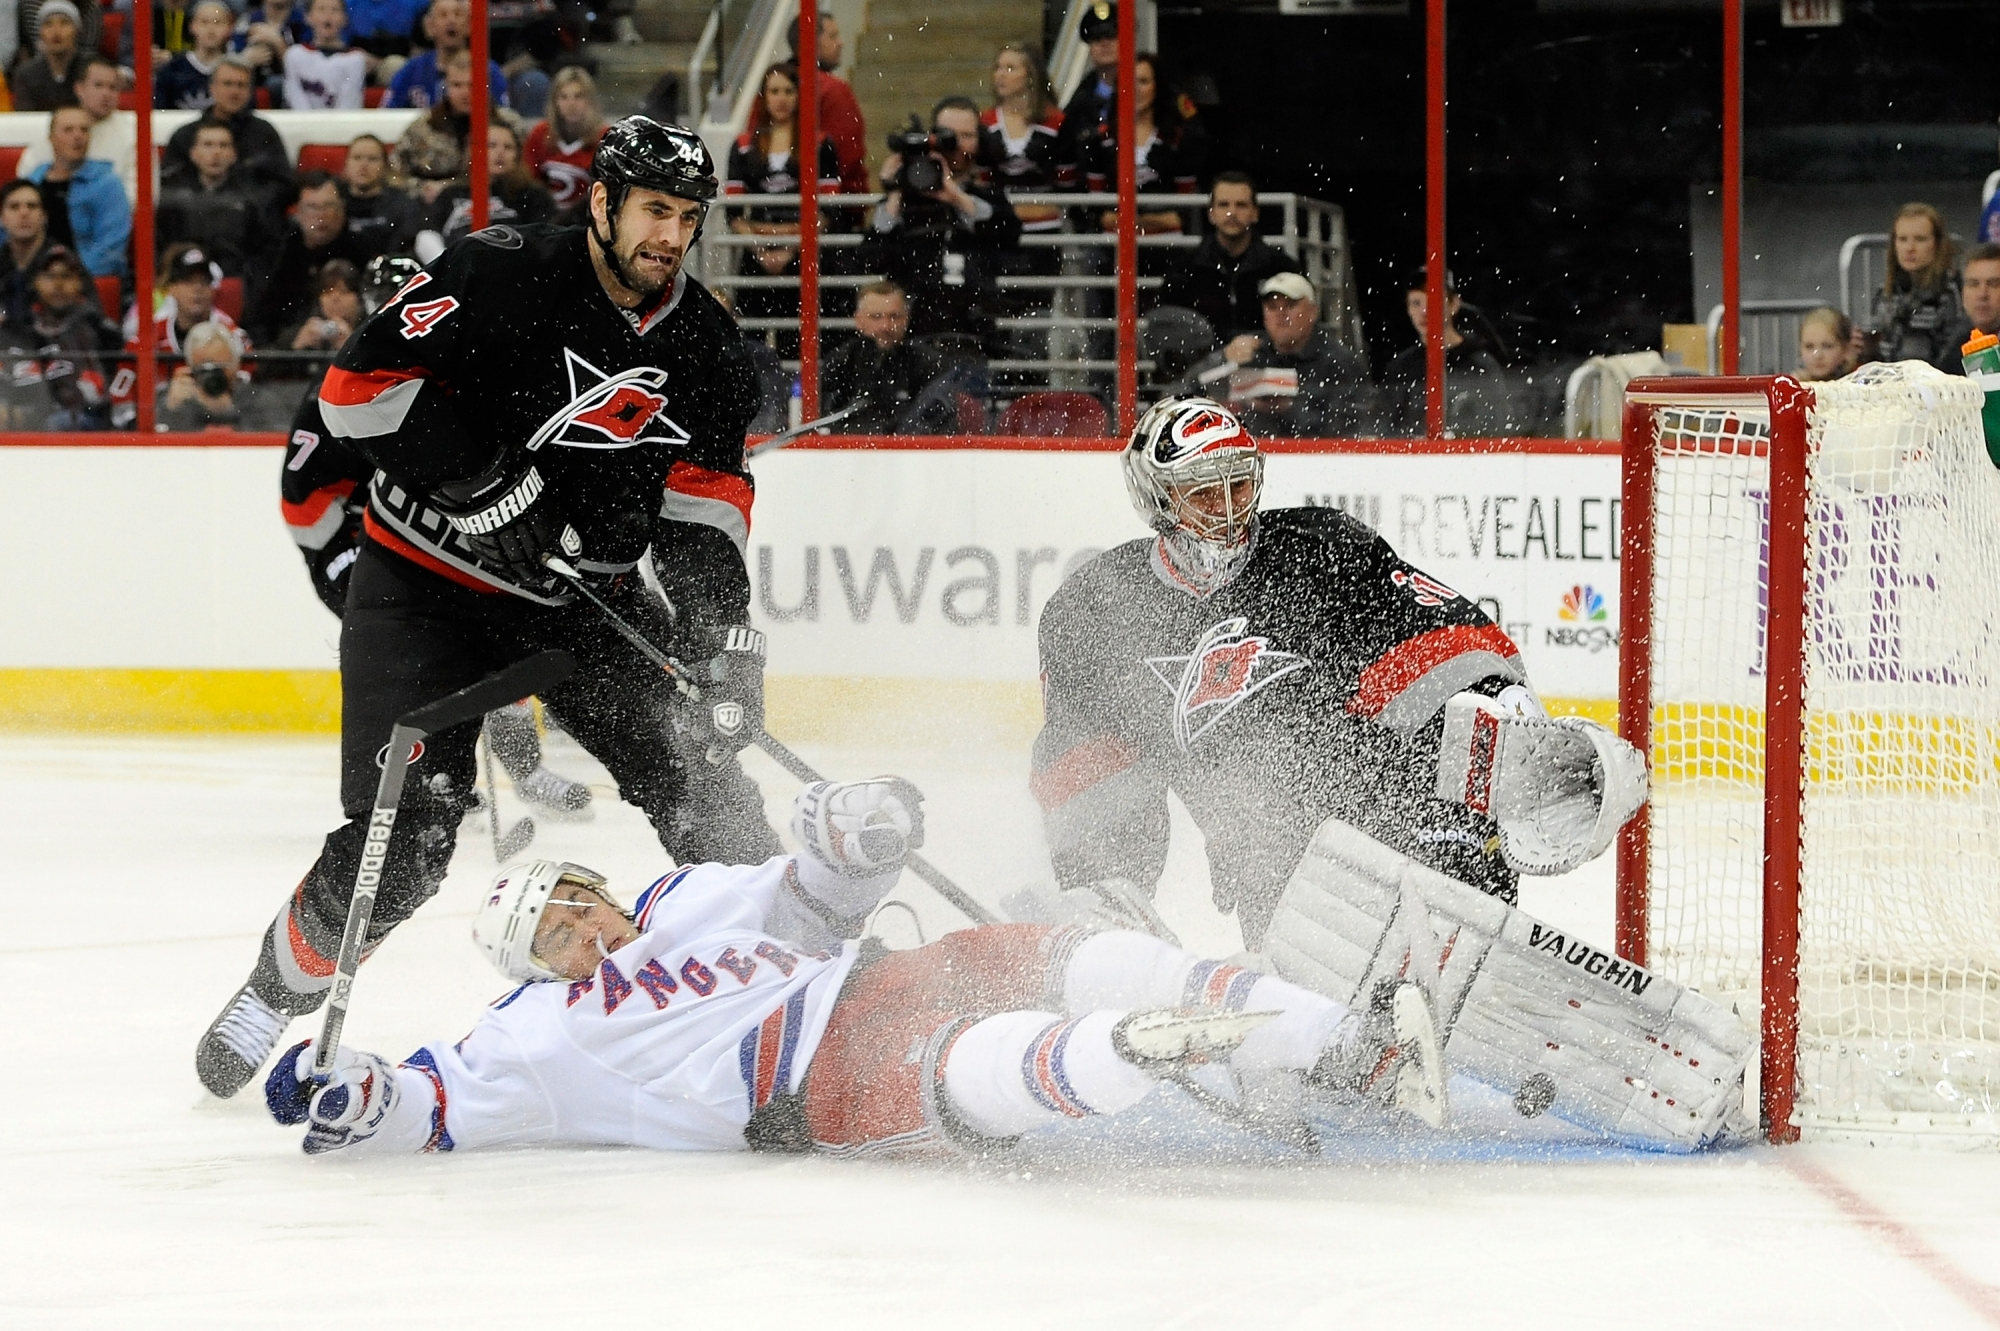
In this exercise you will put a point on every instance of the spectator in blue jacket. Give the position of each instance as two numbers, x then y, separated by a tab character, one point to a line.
84	193
420	82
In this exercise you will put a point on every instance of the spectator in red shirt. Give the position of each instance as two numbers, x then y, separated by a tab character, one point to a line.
839	112
561	148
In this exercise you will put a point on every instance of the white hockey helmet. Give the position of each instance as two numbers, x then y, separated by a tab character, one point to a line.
504	928
1185	445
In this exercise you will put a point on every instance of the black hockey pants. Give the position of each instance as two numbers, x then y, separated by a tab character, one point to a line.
411	636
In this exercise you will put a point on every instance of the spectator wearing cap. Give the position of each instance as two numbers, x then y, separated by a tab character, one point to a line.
1979	288
84	194
260	152
1090	105
182	84
220	209
839	111
1477	397
1220	277
209	390
187	298
42	82
1292	379
318	233
56	350
113	138
26	224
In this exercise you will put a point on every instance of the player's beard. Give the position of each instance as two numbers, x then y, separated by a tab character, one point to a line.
633	277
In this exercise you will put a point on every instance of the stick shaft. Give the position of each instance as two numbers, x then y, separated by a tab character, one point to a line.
367	880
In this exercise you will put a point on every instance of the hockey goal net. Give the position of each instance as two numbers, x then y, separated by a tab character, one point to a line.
1811	661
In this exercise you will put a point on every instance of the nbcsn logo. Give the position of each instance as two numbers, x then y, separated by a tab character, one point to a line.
1583	605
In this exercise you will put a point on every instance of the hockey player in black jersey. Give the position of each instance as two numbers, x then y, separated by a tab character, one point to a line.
1273	670
323	495
537	391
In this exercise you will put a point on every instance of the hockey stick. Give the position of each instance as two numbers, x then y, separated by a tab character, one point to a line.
520	834
778	441
544	670
783	756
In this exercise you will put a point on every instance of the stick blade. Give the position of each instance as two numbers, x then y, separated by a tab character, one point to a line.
525	678
516	841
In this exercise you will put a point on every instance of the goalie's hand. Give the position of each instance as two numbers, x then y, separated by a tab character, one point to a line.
724	710
1560	788
511	523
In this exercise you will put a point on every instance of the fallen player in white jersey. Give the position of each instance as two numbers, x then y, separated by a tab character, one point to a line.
732	1009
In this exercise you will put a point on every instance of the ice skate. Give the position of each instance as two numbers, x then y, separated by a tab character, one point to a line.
555	796
1392	1058
1171	1039
249	1027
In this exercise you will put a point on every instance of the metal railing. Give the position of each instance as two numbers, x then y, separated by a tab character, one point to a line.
1863	259
1311	231
1769	336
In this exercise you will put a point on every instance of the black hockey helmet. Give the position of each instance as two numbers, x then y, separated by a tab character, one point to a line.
643	152
385	275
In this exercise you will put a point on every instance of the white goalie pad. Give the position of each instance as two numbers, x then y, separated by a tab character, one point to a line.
1542	1016
1560	788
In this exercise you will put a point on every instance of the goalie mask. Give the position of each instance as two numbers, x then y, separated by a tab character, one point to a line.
1195	476
504	929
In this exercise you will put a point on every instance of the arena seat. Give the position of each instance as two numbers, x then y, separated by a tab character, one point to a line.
113	27
107	297
229	297
327	157
1057	415
10	159
372	97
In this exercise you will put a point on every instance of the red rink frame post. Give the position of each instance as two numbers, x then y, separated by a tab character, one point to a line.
1127	262
482	100
1434	275
148	368
805	158
1731	335
1784	702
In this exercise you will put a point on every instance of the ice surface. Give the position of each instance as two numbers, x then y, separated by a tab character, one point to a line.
139	872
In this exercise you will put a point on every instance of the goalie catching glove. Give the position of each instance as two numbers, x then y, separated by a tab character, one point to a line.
1560	787
724	710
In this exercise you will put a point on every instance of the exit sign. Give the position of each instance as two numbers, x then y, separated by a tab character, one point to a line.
1810	13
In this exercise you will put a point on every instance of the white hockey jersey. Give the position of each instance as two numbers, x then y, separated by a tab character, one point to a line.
671	1044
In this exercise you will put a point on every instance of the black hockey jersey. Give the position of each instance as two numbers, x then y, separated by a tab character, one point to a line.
1312	685
505	352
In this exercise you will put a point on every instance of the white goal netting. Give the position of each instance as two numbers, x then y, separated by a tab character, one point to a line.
1899	894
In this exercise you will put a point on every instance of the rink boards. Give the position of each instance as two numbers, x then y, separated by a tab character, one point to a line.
156	588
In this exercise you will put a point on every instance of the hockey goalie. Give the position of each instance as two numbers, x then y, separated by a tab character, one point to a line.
1372	770
733	1008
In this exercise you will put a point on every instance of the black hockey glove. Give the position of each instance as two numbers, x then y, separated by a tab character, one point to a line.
510	522
729	713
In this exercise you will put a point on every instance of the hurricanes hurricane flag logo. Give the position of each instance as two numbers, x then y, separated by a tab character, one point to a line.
1583	604
1227	666
610	410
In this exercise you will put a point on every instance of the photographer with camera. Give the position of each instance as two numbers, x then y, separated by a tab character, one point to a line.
940	233
208	392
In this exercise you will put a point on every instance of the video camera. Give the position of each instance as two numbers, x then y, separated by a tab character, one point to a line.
921	173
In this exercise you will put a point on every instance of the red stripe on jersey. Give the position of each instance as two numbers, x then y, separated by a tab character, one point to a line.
1079	769
688	479
1410	660
394	543
769	1040
351	388
308	511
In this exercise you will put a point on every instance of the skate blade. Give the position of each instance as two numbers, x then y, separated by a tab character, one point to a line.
1193	1035
1420	1081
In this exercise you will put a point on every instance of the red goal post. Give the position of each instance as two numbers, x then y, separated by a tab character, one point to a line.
1808	661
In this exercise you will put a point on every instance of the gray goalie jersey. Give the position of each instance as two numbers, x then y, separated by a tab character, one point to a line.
1311	685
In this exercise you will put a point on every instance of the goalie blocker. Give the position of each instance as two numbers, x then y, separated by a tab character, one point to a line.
1522	1006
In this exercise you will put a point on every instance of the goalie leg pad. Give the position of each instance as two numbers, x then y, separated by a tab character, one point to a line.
1630	1053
